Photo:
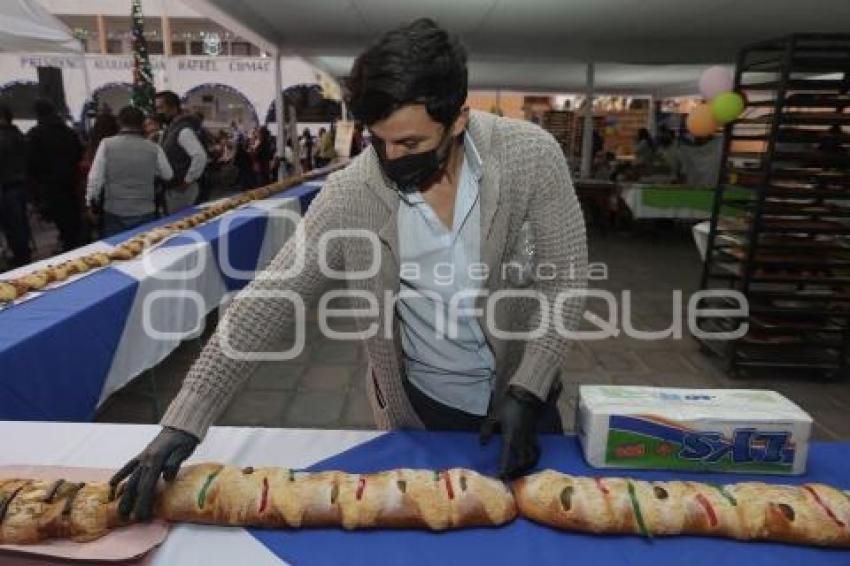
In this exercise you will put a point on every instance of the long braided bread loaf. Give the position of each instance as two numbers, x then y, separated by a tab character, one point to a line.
814	514
817	514
35	510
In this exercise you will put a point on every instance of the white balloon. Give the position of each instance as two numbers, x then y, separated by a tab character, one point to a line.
715	80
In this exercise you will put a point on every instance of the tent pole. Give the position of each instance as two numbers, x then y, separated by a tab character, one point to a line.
86	82
587	134
279	114
167	44
165	24
296	144
651	123
86	79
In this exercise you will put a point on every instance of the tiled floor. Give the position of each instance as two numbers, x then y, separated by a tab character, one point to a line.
324	388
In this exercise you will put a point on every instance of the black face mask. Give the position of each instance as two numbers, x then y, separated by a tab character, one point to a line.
162	117
410	172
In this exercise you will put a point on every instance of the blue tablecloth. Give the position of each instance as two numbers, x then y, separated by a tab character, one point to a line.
56	350
524	542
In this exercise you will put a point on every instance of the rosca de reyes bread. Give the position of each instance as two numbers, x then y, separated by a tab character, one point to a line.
34	510
814	514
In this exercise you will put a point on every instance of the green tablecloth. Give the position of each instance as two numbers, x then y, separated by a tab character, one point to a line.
696	198
699	198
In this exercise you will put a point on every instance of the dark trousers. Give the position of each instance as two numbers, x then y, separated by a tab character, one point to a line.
436	416
65	209
246	179
159	204
204	187
15	222
262	177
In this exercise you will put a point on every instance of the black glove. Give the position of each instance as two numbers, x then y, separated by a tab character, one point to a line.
517	417
162	456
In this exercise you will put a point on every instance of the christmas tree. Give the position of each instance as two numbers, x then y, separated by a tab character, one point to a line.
143	89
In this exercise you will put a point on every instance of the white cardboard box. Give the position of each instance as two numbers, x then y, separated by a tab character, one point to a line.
723	430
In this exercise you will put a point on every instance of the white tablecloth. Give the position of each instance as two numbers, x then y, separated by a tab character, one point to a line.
701	237
174	318
110	446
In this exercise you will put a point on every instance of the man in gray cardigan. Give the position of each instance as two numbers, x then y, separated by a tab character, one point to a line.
450	215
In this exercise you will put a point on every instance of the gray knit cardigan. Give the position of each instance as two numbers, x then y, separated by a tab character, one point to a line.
525	188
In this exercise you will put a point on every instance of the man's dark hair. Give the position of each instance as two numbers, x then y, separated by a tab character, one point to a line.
131	117
44	109
6	113
170	97
416	63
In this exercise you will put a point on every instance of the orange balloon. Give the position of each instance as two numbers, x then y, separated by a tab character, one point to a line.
701	121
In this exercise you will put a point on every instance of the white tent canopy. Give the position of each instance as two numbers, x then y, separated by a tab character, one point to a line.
552	76
25	26
639	46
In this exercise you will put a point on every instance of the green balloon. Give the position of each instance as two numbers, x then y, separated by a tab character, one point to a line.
727	106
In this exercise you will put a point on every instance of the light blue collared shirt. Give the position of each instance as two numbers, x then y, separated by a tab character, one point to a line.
437	263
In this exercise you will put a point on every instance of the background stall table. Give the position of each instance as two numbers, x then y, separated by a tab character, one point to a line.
652	201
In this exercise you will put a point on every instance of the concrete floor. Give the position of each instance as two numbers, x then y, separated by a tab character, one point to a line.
324	388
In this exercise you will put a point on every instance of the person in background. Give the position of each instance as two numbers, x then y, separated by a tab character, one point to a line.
204	135
237	134
55	153
326	151
644	148
13	189
245	178
153	129
105	125
598	143
185	152
701	158
284	162
123	173
668	151
318	160
221	172
224	147
604	164
307	143
357	142
262	152
289	158
208	143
